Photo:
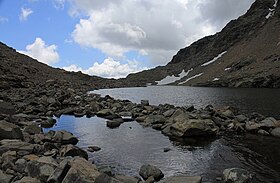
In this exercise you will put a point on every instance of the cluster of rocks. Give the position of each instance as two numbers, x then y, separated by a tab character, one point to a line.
30	155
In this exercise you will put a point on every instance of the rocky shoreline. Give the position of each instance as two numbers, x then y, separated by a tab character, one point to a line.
30	155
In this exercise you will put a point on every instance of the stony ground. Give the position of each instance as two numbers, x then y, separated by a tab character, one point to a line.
30	155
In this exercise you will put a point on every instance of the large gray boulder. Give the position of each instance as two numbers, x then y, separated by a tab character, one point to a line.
60	172
9	131
194	127
237	175
183	179
41	171
147	171
81	171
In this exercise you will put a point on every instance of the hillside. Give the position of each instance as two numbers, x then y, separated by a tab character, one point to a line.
246	53
20	71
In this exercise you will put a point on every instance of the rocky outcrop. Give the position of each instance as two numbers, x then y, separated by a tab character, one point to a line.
147	171
237	175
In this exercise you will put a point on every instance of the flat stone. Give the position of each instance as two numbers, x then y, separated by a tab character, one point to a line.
183	179
15	145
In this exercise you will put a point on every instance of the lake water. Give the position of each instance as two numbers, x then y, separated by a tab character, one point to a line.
128	147
265	101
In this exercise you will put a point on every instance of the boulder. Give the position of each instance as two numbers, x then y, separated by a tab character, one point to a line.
28	180
39	170
194	127
6	108
276	132
145	102
237	175
5	178
15	145
155	119
113	123
94	148
104	178
147	171
269	123
183	179
168	113
71	150
33	129
9	131
107	113
60	172
81	171
62	137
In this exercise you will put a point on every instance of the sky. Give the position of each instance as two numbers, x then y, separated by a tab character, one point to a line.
111	38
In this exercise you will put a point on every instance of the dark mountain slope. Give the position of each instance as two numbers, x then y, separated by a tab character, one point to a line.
252	40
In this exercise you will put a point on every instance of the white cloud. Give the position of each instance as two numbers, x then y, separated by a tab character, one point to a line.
25	13
160	28
42	52
3	19
109	68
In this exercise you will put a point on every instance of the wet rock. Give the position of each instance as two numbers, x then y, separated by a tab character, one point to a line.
15	145
127	179
107	113
33	129
71	150
147	171
60	172
9	131
105	169
94	148
113	123
276	132
189	108
145	102
81	171
183	179
194	127
268	123
166	149
62	137
5	178
28	180
263	132
237	175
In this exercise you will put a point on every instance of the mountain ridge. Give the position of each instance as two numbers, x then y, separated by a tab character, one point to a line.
243	30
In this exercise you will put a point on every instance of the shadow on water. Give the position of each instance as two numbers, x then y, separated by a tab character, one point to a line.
128	147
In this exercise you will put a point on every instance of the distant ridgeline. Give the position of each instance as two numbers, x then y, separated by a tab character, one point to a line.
246	53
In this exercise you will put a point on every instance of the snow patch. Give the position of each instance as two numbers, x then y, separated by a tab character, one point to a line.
214	59
227	69
195	76
172	79
216	79
275	3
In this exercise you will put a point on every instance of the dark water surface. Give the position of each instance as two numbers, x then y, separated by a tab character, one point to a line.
128	147
265	101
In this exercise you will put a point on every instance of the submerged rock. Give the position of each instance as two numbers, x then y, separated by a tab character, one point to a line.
94	148
113	123
147	171
237	175
276	132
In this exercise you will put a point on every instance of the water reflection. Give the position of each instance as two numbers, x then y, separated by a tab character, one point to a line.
128	147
